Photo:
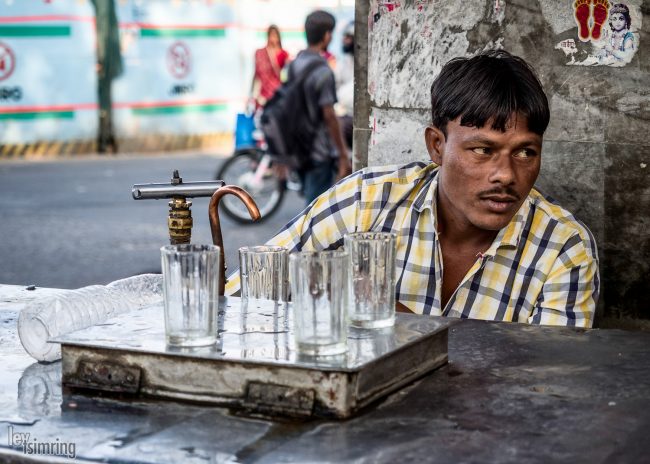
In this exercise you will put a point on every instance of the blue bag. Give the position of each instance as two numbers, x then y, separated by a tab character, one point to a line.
244	131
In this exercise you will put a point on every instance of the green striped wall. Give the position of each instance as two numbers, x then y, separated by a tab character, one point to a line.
35	31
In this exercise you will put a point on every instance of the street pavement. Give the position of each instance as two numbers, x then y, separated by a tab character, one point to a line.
71	223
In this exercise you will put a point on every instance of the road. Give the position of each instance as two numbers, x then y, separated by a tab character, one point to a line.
72	223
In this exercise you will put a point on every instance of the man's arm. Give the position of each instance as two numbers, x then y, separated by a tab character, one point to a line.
332	122
570	293
326	89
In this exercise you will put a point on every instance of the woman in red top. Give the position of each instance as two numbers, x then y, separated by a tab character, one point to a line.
269	61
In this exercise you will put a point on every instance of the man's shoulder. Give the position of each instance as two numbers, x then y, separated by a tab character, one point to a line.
566	225
403	174
305	58
319	71
372	182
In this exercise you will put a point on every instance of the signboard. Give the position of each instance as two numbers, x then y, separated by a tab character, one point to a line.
181	68
188	66
47	74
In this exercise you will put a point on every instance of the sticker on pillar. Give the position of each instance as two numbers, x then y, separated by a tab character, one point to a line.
421	5
179	60
387	6
426	33
384	8
7	61
607	33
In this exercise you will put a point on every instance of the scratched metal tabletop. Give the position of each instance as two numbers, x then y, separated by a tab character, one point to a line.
511	393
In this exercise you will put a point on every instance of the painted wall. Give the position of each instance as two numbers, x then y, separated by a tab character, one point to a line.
188	64
596	158
47	70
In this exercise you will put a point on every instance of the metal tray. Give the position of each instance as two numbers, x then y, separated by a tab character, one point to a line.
254	366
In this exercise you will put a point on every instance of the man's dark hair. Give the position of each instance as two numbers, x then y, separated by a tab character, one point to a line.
317	24
493	85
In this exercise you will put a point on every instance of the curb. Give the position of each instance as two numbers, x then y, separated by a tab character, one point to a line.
218	141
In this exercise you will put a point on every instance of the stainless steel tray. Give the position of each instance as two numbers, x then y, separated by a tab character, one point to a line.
254	366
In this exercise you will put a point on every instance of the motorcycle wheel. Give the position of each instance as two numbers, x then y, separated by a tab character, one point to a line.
267	192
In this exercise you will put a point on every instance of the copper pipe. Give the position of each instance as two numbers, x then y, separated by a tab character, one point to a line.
215	224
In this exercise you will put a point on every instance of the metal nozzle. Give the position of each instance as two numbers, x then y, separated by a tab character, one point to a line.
185	190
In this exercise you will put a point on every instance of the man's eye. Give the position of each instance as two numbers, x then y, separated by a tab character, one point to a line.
481	150
525	153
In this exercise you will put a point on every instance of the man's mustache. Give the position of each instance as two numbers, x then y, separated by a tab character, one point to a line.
500	191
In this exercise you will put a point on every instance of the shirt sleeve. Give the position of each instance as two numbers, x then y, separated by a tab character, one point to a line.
283	57
326	85
321	226
570	293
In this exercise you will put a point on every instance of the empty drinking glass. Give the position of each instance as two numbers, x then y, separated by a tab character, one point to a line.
372	275
319	294
191	293
264	272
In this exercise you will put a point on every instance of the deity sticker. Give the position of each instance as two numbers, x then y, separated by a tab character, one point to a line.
607	33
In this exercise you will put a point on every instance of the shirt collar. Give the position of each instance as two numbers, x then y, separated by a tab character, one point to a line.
424	199
512	232
508	236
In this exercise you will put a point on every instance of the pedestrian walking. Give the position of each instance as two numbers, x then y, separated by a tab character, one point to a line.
269	62
328	157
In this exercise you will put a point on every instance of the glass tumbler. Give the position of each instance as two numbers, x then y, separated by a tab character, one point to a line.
319	293
191	293
264	273
372	277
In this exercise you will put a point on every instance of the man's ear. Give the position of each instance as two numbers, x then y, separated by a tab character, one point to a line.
327	38
435	140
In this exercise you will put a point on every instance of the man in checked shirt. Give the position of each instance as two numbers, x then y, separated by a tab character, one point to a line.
475	239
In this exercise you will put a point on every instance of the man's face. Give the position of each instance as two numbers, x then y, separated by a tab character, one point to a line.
485	175
348	43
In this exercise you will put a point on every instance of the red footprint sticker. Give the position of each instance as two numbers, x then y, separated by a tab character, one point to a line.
601	8
582	13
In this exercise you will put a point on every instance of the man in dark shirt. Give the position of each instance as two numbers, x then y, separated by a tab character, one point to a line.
329	157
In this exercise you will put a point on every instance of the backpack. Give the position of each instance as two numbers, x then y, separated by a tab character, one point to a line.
286	123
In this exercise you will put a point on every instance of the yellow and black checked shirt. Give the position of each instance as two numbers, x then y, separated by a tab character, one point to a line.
542	268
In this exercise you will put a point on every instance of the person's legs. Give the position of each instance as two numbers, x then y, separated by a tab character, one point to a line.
318	179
